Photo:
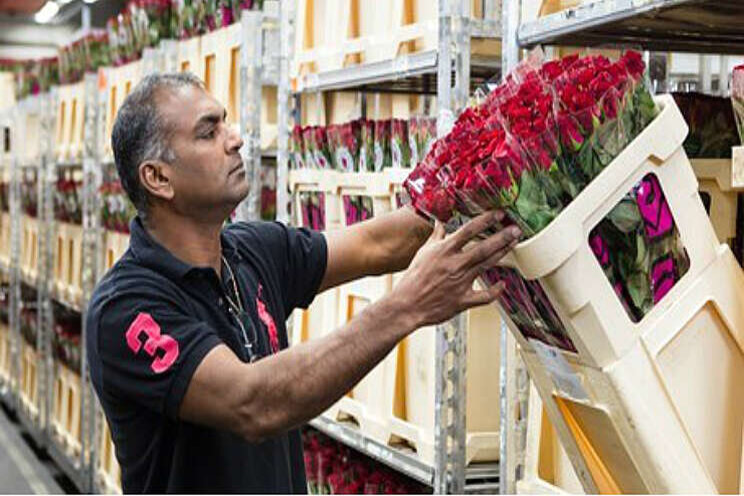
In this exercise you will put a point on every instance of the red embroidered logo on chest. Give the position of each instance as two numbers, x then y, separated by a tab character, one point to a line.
268	321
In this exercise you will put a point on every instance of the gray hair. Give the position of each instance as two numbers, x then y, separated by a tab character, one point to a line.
140	133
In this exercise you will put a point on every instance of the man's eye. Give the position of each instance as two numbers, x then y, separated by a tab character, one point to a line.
209	134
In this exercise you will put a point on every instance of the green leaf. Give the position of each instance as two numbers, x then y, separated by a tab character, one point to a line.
642	254
639	290
625	216
532	204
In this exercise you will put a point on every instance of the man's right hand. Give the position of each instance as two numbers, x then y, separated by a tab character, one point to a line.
439	283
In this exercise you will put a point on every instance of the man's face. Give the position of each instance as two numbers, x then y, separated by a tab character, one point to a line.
208	177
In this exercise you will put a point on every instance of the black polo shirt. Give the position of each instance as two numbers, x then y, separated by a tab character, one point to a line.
151	321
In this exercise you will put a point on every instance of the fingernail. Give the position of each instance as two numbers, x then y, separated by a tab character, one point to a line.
499	215
515	232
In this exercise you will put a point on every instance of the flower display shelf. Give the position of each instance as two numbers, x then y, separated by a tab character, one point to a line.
65	419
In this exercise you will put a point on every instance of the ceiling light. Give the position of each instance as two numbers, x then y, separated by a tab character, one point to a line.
90	1
47	12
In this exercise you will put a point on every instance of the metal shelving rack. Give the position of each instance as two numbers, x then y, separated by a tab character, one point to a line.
40	429
450	73
259	67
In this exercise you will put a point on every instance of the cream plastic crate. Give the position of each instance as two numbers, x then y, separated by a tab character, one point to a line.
118	83
28	392
416	423
116	244
533	9
5	239
313	180
66	410
722	180
561	259
108	472
7	90
660	419
318	319
68	254
321	316
188	56
29	247
70	117
548	469
355	296
374	400
5	359
29	148
269	118
219	63
332	34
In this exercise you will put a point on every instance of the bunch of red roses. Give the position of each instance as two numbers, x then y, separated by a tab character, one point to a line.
536	141
530	148
333	468
362	145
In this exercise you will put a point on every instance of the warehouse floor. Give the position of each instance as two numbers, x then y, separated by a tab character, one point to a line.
22	469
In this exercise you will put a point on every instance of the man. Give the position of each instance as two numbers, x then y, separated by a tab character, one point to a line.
186	334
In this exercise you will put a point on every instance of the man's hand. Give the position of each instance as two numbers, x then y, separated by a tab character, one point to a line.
439	283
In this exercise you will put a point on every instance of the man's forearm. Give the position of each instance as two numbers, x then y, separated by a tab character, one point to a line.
298	384
398	236
382	245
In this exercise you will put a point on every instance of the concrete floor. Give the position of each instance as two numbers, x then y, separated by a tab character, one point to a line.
22	471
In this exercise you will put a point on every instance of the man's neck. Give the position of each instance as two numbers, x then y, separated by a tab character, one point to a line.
196	243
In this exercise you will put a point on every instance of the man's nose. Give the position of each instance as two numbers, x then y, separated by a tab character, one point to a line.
233	142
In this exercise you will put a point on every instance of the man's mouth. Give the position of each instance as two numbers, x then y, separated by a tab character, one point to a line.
237	168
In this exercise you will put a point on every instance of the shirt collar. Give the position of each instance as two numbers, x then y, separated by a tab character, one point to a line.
152	254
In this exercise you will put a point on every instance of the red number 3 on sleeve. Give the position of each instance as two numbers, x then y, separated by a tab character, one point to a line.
145	324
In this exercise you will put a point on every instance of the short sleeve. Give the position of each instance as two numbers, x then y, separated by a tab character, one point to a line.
299	257
148	347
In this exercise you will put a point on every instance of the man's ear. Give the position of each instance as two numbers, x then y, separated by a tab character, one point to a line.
155	177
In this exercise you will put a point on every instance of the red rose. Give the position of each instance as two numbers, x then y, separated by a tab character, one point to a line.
633	62
353	487
571	137
551	70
